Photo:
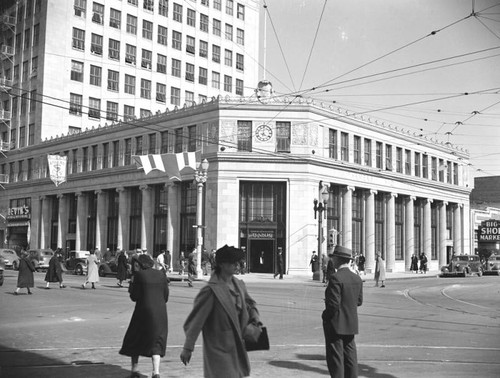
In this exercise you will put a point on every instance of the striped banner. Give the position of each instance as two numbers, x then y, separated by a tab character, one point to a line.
174	165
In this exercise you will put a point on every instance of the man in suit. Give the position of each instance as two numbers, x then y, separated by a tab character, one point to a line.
343	295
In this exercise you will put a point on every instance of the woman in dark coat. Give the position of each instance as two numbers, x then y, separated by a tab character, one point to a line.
414	263
121	268
148	329
25	276
54	272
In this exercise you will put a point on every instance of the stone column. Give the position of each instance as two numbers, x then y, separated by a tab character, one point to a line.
443	235
173	222
390	241
370	231
147	219
101	232
347	217
81	221
45	222
35	223
427	229
409	231
457	229
122	242
62	229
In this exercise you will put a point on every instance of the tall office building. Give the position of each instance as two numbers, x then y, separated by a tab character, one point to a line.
68	65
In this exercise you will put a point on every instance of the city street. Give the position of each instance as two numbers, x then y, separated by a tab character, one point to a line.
418	327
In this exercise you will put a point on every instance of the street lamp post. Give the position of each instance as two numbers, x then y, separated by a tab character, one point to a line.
319	208
200	177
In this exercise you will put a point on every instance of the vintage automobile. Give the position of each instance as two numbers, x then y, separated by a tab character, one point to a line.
110	267
11	258
463	265
77	262
2	267
40	258
492	265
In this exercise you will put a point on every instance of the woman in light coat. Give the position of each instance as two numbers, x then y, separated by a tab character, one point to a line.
222	310
379	269
25	277
92	270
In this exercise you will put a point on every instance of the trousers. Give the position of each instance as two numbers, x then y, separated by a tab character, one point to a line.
341	354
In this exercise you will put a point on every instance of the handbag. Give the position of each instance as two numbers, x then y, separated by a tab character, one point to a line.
262	342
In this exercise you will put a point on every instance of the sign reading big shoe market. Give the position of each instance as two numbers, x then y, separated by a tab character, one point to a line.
489	231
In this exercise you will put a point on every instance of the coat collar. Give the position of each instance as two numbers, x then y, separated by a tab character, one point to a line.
221	291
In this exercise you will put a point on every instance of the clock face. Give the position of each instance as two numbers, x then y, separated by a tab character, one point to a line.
263	133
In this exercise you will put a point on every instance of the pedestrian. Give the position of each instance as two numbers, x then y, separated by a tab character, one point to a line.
168	261
423	263
414	263
330	267
54	271
182	263
148	329
160	260
25	277
204	261
379	269
222	310
212	260
261	262
98	254
343	295
92	270
324	265
361	263
191	268
279	265
314	263
121	268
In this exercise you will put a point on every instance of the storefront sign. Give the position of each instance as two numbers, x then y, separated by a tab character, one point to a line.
489	231
261	234
20	212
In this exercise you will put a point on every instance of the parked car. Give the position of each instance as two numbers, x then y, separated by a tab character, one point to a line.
492	266
11	258
2	267
40	258
110	267
463	265
77	261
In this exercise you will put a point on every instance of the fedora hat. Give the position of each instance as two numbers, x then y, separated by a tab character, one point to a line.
344	252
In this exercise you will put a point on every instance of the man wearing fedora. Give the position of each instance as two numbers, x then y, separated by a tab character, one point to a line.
343	295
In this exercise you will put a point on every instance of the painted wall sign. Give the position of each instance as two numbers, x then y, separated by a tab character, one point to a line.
261	234
20	212
489	231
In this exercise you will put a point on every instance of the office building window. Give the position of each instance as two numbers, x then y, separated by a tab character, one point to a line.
408	162
176	67
78	39
161	64
76	71
229	32
127	155
215	80
240	37
240	63
34	68
139	149
283	136
177	12
344	146
191	17
148	5
26	66
417	164
190	72
217	4
202	99
95	75
147	56
228	58
130	54
75	104
85	159
161	92
163	8
80	7
204	23
114	49
162	35
203	49
33	100
128	113
98	13
113	78
239	87
240	11
94	108
378	155
434	168
131	24
388	157
332	144
190	45
357	149
175	96
179	139
105	155
145	113
176	40
147	30
244	136
205	2
130	84
116	153
216	53
152	143
189	98
425	166
455	173
36	34
96	44
203	76
24	103
145	89
164	142
111	111
115	18
229	7
228	83
216	25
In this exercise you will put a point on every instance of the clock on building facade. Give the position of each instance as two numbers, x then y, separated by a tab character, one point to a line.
263	133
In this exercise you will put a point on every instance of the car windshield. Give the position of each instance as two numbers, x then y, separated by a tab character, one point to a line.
47	253
461	258
9	252
495	258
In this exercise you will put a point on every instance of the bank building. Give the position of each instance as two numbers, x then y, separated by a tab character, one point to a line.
231	165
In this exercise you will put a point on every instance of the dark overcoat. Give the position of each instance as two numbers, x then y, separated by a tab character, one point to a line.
25	276
214	313
54	272
148	329
121	267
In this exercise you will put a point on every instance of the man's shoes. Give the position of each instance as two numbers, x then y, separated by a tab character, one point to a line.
382	286
83	286
156	376
47	288
135	374
190	284
16	293
61	287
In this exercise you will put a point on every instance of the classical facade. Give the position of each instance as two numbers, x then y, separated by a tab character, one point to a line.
389	190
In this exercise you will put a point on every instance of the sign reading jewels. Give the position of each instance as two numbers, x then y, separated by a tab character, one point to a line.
489	231
261	234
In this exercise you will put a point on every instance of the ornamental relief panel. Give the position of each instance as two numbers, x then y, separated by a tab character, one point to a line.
299	134
228	132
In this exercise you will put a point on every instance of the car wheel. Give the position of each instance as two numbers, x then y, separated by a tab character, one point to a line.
79	270
480	273
102	271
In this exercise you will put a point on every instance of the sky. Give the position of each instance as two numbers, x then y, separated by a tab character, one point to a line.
428	66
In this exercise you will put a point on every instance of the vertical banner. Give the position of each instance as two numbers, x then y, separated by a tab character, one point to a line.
57	168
